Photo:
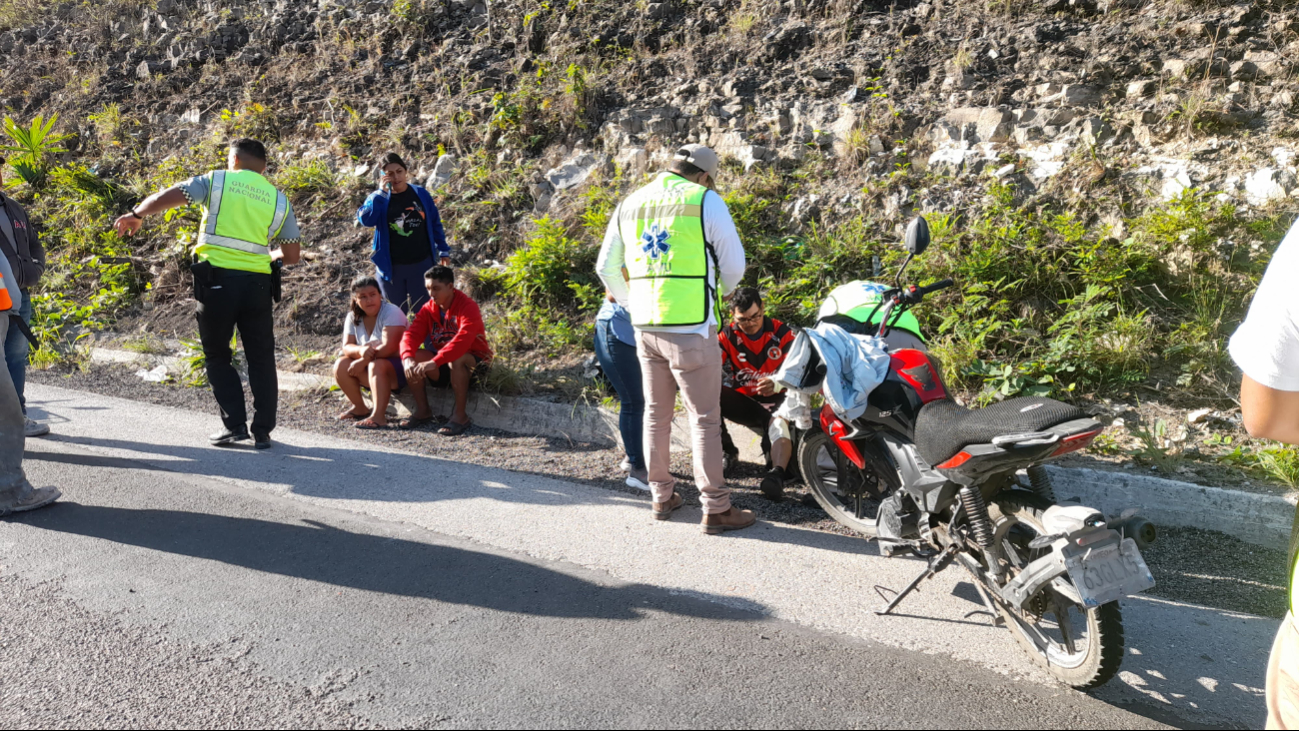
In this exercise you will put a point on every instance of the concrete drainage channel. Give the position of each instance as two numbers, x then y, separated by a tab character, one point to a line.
1260	519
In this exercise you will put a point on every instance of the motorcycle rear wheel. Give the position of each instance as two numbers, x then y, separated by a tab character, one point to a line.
1054	642
853	505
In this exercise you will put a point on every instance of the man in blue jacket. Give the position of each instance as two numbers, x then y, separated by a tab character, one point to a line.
408	235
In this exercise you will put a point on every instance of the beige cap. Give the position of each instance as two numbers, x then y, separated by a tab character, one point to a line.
701	157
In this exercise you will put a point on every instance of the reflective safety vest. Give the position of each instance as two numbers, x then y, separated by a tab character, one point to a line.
6	302
667	254
1294	564
858	299
242	214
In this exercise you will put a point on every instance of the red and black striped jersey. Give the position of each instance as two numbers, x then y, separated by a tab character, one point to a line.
747	360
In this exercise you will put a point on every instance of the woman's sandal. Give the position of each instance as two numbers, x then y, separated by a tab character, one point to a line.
369	423
452	429
352	416
414	423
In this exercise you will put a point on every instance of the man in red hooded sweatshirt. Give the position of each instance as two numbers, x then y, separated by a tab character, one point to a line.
445	346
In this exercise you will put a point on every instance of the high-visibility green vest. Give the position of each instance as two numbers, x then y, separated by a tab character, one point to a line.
243	212
1294	575
667	254
1294	564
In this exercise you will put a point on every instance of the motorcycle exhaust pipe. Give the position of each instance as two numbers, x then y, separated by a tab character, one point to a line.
1138	529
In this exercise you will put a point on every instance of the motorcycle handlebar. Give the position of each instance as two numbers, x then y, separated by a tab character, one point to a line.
944	284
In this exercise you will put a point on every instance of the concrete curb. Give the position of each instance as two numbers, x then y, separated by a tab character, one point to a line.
576	422
1256	518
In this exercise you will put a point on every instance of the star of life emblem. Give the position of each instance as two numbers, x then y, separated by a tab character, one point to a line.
654	242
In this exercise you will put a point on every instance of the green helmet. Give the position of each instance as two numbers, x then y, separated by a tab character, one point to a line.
857	299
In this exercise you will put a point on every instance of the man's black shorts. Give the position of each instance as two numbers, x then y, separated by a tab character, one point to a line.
444	374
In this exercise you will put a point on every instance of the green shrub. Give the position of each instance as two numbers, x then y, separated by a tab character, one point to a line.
553	270
34	146
1045	302
299	179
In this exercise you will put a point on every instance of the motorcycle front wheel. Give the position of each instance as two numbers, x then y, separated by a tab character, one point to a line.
1080	646
854	504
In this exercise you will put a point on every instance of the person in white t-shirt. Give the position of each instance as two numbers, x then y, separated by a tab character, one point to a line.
1266	348
371	337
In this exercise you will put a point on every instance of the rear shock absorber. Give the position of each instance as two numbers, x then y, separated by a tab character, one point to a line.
1040	480
976	511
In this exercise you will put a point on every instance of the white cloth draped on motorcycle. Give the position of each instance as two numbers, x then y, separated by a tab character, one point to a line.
854	366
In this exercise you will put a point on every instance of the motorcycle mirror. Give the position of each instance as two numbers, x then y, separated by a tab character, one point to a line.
918	236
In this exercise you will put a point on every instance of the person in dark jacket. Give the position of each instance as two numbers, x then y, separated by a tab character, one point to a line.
22	247
408	235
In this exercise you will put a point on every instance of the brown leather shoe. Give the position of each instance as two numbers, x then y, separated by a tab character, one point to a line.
717	523
663	511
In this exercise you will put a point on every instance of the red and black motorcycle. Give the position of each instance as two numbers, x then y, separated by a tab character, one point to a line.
924	475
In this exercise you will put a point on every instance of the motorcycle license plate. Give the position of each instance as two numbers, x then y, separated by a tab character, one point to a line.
1109	570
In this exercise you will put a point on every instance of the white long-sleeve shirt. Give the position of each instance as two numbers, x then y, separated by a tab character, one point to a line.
719	228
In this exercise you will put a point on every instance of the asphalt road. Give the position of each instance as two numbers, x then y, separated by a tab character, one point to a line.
328	584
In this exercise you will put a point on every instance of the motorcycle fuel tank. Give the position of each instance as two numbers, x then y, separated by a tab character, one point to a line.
913	381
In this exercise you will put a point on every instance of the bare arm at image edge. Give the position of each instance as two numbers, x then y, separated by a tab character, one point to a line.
609	265
1266	348
1269	413
721	233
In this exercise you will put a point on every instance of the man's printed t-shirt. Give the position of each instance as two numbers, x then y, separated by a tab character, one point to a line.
408	228
448	334
1266	345
747	360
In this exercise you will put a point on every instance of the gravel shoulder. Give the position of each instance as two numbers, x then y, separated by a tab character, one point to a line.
1200	567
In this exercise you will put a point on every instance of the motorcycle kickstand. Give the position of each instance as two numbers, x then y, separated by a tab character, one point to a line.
997	619
940	562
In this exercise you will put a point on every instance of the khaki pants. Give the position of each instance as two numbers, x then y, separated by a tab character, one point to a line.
1283	678
13	483
693	364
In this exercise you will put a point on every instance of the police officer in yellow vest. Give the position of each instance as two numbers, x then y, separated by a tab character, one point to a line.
242	214
669	256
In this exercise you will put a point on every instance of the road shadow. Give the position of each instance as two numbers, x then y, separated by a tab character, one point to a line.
329	473
328	554
1184	660
385	476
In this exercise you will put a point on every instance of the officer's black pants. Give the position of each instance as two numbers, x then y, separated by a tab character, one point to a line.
236	299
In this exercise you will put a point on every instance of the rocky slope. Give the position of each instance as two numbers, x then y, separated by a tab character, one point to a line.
1179	94
829	112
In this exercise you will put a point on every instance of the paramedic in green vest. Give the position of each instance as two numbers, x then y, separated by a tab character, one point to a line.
681	253
242	214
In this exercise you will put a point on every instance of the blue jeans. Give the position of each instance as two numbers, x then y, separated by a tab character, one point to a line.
16	350
406	290
622	368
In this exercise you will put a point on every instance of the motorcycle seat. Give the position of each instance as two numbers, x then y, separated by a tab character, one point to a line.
944	428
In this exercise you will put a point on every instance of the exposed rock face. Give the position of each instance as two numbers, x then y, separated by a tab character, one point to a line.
1164	92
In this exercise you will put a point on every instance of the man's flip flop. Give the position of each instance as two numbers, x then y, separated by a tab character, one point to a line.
414	423
453	429
368	423
350	416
